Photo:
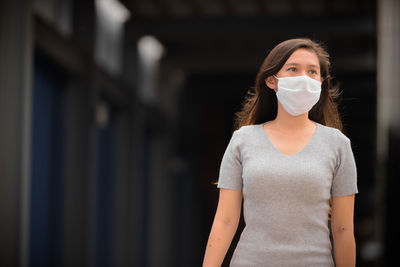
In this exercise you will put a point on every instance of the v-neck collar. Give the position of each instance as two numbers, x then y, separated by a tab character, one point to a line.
304	148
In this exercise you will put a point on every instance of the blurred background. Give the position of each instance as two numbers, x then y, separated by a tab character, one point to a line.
114	117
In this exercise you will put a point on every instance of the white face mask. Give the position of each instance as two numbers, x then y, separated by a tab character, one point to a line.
298	94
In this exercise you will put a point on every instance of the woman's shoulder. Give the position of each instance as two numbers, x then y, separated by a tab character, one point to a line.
246	130
333	135
245	133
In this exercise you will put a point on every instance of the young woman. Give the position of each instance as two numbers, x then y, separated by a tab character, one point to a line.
292	166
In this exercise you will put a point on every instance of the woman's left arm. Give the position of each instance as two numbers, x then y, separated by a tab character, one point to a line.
343	230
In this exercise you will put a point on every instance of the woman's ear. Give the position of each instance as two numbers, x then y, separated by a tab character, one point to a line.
271	82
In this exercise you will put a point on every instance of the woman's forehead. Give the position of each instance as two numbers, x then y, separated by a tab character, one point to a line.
303	56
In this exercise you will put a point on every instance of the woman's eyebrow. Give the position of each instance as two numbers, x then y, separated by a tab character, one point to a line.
297	64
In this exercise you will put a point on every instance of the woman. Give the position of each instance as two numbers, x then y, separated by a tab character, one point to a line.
292	166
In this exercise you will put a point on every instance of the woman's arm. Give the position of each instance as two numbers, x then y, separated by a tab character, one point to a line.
224	226
343	231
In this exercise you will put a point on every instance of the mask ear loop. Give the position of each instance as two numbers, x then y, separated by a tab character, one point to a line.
277	79
274	77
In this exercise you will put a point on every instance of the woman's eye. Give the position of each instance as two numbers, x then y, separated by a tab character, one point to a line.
313	71
292	69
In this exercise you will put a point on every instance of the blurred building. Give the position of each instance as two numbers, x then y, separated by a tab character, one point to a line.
114	116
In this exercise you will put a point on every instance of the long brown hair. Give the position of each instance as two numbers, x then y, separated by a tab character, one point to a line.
260	104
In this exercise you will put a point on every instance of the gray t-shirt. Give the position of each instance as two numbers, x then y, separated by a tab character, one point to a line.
286	198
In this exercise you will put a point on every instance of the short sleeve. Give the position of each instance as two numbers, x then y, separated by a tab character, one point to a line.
230	172
345	176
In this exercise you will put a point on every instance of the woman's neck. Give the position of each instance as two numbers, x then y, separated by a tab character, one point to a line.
287	122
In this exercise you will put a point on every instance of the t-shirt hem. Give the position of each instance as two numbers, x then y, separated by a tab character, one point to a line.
342	194
228	187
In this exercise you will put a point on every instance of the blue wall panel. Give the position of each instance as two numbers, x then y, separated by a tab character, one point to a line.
104	196
47	163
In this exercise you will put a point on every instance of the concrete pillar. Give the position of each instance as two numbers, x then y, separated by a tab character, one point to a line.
76	232
15	133
123	195
81	96
388	128
136	233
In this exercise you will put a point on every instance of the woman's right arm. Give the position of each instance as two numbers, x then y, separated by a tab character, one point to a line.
224	226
